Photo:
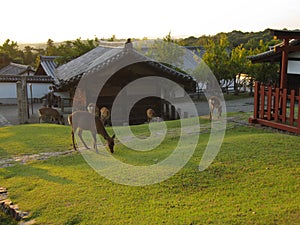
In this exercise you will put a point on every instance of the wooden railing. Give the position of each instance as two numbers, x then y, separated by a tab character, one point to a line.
276	108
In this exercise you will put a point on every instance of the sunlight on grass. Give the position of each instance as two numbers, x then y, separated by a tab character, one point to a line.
253	180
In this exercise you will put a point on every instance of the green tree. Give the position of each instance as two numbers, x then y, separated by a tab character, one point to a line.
10	50
51	49
29	56
217	57
239	66
165	51
70	50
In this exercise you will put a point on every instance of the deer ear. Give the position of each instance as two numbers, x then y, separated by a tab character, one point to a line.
113	136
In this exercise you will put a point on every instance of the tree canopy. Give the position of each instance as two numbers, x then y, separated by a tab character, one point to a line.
225	53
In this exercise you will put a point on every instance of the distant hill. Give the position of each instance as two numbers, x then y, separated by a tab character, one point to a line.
36	45
235	38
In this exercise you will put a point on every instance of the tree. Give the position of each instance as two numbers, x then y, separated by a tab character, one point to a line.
29	57
217	58
165	51
10	50
239	66
51	49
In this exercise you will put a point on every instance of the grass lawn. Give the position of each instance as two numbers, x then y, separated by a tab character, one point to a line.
253	180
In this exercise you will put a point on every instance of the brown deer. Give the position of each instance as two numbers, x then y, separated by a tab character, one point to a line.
50	114
104	113
150	114
83	120
214	103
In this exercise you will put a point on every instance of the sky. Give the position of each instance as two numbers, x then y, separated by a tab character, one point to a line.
35	21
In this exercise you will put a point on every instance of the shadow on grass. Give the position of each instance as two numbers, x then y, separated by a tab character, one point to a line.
31	171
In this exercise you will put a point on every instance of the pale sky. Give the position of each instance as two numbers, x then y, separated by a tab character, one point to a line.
31	21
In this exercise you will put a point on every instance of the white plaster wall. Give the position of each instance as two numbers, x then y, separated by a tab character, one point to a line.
293	67
8	91
38	89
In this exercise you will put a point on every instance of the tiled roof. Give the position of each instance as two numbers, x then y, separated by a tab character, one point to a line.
104	56
15	69
81	64
272	55
47	66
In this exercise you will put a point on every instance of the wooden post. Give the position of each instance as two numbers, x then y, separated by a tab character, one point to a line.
269	102
284	98
276	108
284	62
292	107
298	120
22	100
262	101
256	100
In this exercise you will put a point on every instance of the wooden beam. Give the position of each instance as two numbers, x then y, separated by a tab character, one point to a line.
287	48
281	34
275	125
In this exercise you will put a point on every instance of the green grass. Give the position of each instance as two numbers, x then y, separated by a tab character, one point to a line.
33	138
253	180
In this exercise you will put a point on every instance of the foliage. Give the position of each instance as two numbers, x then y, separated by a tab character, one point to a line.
9	50
225	54
253	180
68	50
166	52
217	56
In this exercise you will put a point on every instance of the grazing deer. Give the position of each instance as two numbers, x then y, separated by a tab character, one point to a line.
50	114
214	103
83	120
150	114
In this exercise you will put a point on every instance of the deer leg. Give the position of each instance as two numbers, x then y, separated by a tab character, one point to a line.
73	141
210	114
95	141
80	136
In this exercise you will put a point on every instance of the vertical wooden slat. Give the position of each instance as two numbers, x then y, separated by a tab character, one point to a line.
292	107
269	102
284	98
276	107
262	101
256	100
298	120
274	100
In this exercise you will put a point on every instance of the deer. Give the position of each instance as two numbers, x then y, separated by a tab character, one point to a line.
150	114
52	114
214	102
104	112
84	120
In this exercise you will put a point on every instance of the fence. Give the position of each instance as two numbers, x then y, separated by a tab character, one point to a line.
275	107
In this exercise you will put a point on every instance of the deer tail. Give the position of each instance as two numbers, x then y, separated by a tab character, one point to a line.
70	119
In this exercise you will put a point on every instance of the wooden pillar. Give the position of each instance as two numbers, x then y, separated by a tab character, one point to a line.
284	62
